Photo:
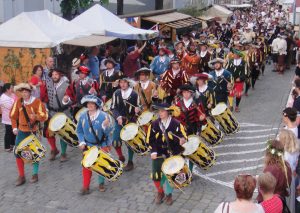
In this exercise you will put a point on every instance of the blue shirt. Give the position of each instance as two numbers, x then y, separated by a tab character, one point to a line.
159	67
94	66
86	135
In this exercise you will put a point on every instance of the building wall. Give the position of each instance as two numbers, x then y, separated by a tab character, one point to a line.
179	4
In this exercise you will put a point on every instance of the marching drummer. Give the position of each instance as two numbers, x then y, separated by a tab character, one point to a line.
165	137
25	115
125	106
80	87
145	88
93	129
192	114
53	96
221	81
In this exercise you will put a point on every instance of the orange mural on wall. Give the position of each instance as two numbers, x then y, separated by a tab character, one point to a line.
16	64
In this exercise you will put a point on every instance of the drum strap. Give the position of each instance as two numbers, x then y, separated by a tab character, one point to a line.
93	131
26	116
144	96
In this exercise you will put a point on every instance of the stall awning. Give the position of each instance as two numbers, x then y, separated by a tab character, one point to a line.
90	41
175	20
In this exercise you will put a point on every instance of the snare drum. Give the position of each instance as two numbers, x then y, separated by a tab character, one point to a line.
200	154
135	138
79	113
146	118
211	134
65	128
102	163
30	149
228	122
176	171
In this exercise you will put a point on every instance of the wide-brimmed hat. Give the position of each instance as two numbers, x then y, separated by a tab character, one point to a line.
162	106
237	52
175	61
56	69
91	98
202	35
178	42
216	60
202	76
187	87
75	62
23	86
84	70
110	60
145	70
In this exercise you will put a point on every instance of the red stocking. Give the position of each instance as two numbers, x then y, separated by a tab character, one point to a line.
158	186
20	165
87	174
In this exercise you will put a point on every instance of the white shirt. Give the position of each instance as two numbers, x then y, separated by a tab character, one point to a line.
175	72
274	45
237	62
203	88
166	123
126	93
30	101
202	54
187	103
162	58
220	72
110	72
282	46
144	85
259	209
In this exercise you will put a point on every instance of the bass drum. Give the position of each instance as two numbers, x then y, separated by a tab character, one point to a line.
102	163
135	138
177	172
61	124
228	122
197	152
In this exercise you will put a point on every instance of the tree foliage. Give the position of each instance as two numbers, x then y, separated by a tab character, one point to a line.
68	7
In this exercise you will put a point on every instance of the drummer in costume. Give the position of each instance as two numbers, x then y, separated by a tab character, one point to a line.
218	52
109	79
205	94
84	85
192	114
25	115
239	69
54	98
221	81
190	61
163	144
205	57
145	88
173	78
93	129
253	64
125	105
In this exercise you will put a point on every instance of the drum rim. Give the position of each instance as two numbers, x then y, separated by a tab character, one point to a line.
94	148
123	129
22	145
213	113
168	160
52	119
145	112
196	136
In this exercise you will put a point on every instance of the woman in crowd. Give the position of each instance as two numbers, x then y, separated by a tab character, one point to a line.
289	119
6	102
244	186
278	167
291	154
36	80
266	186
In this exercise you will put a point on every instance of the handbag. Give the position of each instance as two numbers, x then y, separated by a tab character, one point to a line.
285	208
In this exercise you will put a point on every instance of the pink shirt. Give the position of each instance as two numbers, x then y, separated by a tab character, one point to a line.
6	104
273	205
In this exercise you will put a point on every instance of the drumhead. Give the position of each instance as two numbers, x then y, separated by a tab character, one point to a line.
145	118
107	105
26	141
129	131
191	145
172	165
90	157
219	109
79	113
57	122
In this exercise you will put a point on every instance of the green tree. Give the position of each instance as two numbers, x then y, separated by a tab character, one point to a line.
69	8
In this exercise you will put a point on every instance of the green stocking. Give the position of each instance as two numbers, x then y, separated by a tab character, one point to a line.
63	146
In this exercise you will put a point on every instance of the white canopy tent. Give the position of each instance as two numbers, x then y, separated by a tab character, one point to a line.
38	29
99	21
218	11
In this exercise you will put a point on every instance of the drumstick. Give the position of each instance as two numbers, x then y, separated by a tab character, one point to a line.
132	104
176	136
177	187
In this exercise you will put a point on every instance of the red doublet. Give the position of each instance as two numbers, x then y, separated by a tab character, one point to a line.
172	83
191	64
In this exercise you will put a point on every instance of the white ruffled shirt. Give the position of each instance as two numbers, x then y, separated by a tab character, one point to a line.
144	85
126	93
188	102
219	73
203	88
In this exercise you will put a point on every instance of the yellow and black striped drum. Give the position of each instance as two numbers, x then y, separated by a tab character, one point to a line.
177	172
135	138
197	152
62	125
211	134
228	122
30	149
102	163
80	112
146	118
